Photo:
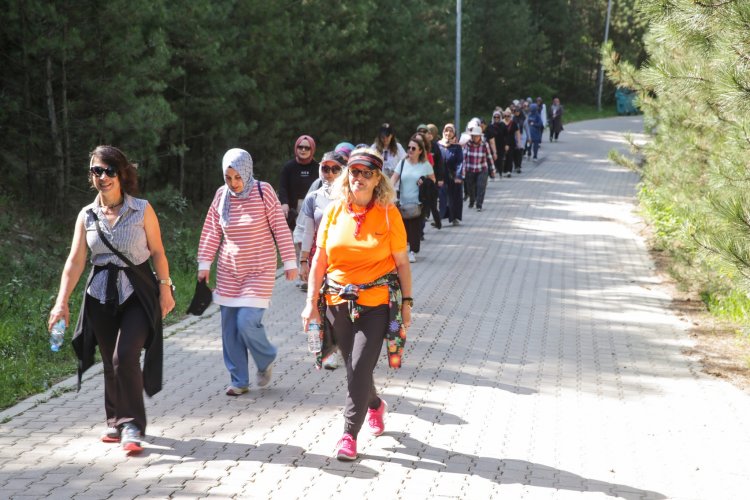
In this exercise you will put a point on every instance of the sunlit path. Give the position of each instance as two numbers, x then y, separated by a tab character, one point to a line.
543	363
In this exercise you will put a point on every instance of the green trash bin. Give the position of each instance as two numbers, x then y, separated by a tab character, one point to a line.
625	98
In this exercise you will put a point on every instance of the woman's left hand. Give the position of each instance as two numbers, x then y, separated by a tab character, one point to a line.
166	301
406	315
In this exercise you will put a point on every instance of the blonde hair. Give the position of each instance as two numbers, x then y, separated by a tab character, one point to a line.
383	193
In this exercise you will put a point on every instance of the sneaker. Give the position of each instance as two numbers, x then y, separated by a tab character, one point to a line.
331	361
456	222
236	391
479	209
263	378
131	438
507	175
346	449
303	286
111	435
412	257
375	418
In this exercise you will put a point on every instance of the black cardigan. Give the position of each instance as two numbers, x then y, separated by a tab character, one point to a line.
147	291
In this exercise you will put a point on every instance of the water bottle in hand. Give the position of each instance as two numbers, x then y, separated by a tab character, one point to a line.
314	344
57	335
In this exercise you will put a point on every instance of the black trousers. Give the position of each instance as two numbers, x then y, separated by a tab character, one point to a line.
518	158
121	334
414	232
360	343
508	161
455	200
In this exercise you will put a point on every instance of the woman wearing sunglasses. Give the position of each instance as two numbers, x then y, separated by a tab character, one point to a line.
296	177
311	215
361	250
410	173
123	306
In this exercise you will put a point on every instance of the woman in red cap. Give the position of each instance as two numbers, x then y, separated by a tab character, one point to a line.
366	298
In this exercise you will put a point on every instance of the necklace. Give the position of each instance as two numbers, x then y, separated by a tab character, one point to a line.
112	206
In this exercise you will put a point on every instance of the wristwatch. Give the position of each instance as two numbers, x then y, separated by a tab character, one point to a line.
408	300
167	282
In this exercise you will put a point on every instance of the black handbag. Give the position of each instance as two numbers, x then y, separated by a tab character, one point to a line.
117	252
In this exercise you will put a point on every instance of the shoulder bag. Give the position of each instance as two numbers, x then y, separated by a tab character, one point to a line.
408	210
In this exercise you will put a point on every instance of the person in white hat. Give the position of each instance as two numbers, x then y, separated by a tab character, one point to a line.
477	165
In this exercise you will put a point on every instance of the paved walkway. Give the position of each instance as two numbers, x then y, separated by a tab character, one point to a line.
543	363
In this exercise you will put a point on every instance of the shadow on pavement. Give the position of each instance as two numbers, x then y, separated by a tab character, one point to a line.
502	471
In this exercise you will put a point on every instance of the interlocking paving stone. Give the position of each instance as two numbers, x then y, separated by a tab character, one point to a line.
543	362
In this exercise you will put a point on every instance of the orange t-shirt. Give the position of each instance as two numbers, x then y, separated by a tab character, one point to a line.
365	258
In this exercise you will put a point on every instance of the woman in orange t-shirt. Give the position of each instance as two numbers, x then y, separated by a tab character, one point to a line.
362	253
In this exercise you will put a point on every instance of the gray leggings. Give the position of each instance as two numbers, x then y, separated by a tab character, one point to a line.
360	344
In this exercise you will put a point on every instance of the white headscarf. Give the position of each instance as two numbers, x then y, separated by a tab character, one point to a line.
242	162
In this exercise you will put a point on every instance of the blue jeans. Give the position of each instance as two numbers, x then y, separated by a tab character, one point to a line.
242	331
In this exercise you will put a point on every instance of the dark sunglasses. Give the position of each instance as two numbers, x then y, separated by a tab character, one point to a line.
304	148
356	172
330	169
98	171
413	148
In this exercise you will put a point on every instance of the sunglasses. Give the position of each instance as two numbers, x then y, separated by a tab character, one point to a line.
330	170
356	172
304	148
98	171
413	148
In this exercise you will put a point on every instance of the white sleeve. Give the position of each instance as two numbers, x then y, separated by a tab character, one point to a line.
308	237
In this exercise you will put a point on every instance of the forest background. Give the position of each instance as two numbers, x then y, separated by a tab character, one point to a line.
176	83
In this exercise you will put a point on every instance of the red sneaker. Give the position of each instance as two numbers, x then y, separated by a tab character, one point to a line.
111	435
375	418
346	449
131	438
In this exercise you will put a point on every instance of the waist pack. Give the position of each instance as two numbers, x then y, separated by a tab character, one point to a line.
410	210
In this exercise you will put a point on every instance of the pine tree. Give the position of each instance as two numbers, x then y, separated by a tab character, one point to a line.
695	91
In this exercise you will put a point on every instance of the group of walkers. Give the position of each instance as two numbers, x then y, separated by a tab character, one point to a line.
349	225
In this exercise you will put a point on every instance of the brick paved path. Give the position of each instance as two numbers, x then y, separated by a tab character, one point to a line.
543	363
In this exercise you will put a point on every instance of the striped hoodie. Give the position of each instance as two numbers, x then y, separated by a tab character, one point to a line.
246	266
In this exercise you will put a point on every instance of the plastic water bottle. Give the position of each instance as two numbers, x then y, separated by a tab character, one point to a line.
314	344
57	335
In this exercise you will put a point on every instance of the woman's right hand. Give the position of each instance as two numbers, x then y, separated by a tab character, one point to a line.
60	311
310	314
203	275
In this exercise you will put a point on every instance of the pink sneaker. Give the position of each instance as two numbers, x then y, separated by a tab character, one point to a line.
375	418
346	449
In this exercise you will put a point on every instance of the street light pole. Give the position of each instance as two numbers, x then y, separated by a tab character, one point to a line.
458	67
601	68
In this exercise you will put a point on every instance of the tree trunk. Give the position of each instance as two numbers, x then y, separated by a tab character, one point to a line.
65	118
182	136
27	105
59	173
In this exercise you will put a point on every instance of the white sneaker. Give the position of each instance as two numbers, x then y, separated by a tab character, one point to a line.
331	362
263	378
412	257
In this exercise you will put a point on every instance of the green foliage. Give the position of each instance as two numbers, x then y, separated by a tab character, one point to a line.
695	93
174	84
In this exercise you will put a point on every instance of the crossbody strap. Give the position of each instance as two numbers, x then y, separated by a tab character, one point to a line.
109	245
265	211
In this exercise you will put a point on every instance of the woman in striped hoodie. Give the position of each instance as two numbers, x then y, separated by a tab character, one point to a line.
244	225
